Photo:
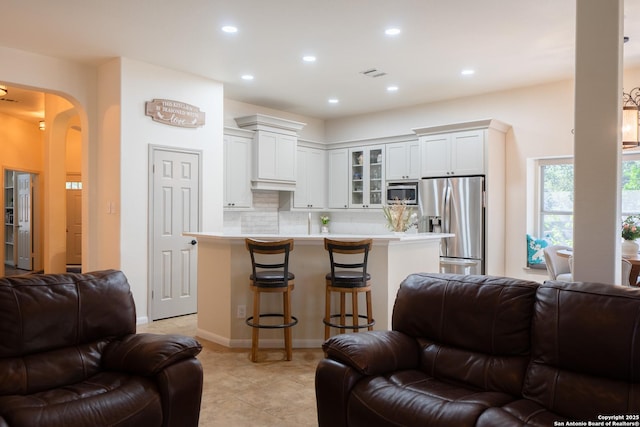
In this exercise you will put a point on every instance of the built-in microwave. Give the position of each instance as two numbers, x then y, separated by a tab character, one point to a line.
404	191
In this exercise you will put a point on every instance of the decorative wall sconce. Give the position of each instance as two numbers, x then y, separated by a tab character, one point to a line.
630	109
3	90
41	125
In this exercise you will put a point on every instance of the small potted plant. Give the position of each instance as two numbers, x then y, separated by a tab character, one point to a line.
630	232
324	219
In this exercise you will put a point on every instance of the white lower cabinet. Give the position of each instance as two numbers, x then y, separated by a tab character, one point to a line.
338	178
310	189
237	172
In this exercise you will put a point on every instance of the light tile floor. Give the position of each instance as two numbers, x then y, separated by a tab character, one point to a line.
238	393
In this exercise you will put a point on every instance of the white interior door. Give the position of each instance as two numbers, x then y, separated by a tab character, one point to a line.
24	221
74	223
175	208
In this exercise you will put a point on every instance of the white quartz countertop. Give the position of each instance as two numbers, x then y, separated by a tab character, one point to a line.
402	237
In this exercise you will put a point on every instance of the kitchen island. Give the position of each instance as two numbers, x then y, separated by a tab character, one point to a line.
224	297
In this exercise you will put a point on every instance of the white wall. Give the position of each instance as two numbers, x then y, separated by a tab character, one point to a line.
313	130
541	118
142	82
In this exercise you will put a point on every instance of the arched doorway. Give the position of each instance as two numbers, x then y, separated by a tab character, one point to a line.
40	135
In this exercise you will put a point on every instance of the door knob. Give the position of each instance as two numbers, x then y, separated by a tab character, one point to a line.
194	242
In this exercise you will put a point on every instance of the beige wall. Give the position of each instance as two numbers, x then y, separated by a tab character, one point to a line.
73	154
58	112
21	145
78	84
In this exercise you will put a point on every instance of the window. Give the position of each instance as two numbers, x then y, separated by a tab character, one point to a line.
556	201
73	185
555	178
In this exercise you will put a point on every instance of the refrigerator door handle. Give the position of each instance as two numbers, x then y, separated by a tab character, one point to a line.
446	209
467	264
462	262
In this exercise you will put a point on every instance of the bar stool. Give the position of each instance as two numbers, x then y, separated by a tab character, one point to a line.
271	275
351	278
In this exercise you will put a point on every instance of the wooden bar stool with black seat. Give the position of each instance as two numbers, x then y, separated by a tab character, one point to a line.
270	273
348	276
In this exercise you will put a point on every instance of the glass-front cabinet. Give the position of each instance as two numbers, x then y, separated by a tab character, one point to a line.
367	177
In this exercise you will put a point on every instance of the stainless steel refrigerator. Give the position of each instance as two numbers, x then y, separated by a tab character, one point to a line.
456	205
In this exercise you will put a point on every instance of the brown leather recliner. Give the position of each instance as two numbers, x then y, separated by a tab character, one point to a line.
70	356
488	351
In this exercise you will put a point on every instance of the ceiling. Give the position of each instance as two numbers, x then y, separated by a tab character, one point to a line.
509	43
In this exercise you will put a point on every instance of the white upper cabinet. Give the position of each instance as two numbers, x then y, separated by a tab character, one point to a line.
338	178
453	154
237	171
367	182
402	160
310	189
274	151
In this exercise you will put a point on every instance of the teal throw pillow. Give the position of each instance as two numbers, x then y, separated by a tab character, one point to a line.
535	253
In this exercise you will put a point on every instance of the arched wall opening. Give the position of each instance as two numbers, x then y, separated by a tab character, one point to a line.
48	155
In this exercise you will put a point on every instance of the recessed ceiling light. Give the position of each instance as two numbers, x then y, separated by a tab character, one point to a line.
467	72
230	29
247	77
392	31
392	88
309	58
333	101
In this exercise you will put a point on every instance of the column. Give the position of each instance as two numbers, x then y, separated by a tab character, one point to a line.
597	143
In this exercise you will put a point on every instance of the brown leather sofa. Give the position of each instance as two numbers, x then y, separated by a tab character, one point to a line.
488	351
70	356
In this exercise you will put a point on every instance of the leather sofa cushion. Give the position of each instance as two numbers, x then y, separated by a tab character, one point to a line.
107	398
415	398
39	313
50	369
519	413
473	330
586	350
479	313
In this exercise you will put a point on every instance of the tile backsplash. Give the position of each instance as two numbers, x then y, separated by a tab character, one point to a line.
266	218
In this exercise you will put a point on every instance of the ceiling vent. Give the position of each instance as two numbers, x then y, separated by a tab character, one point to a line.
373	73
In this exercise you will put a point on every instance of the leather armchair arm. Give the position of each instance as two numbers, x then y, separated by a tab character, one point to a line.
148	354
375	352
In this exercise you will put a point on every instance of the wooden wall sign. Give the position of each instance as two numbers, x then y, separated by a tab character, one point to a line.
174	113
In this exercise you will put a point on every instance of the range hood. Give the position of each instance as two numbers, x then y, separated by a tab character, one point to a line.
274	151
